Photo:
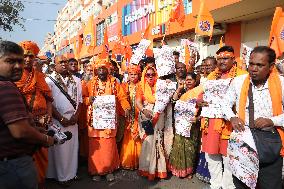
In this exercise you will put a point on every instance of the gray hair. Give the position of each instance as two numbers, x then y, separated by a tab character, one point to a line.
9	47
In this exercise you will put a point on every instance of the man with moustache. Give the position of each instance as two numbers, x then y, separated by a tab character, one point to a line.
17	136
67	92
103	152
38	95
216	131
262	110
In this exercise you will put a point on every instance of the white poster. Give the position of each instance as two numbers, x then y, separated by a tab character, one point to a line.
184	115
164	60
214	93
139	52
243	158
104	112
164	92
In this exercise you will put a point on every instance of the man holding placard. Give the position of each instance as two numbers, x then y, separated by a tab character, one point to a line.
104	91
215	130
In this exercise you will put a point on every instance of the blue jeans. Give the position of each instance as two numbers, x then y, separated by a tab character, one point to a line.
18	173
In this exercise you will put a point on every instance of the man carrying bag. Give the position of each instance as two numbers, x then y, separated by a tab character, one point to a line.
259	104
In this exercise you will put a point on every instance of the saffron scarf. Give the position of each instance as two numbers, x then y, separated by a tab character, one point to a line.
148	93
220	125
275	90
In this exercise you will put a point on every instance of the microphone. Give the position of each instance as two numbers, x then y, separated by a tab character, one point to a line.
68	135
59	136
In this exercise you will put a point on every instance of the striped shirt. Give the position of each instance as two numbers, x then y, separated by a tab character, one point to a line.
12	109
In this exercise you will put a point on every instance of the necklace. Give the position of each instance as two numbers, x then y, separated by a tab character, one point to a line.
69	84
133	107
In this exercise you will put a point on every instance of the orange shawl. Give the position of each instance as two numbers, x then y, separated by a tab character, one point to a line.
220	125
148	94
275	90
33	86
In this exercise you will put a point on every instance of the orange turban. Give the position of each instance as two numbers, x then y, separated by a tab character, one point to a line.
134	69
102	62
30	48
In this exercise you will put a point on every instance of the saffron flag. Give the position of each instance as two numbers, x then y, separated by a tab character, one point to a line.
177	13
118	47
187	56
276	38
127	51
105	51
148	35
88	37
221	44
205	21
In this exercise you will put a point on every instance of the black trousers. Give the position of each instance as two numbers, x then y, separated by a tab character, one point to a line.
269	176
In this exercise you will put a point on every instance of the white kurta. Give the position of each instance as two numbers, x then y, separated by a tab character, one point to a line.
63	159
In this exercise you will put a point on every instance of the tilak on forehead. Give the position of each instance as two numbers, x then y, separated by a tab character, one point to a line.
30	48
225	54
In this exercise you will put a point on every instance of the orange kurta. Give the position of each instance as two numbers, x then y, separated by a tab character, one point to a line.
103	154
82	123
36	91
131	144
216	132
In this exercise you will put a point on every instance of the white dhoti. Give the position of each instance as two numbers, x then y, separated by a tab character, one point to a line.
63	159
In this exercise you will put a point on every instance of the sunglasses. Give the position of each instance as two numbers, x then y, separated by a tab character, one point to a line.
150	75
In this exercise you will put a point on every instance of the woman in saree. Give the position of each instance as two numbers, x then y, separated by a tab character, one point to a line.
183	155
152	160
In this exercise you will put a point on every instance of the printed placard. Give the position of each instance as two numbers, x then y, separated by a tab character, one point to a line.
139	52
243	158
184	114
164	61
214	93
104	116
164	91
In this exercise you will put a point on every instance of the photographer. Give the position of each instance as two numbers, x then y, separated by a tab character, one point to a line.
17	137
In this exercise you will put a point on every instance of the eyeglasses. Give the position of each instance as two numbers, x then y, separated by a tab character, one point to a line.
150	75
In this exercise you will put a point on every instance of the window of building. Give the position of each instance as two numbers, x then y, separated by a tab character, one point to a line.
100	33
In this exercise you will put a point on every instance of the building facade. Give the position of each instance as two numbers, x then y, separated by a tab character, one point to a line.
240	22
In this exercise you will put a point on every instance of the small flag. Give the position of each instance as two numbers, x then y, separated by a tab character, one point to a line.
205	21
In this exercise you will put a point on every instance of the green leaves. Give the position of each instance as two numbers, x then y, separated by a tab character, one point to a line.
10	14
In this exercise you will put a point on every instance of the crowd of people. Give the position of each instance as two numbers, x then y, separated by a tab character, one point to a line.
36	94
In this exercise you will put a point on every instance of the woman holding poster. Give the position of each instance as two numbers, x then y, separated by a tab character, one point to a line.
152	161
183	155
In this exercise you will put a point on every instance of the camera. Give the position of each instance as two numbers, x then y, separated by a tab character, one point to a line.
59	136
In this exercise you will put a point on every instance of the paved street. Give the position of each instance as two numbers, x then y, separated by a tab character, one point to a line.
130	180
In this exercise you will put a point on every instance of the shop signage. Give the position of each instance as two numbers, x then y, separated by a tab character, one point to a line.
140	13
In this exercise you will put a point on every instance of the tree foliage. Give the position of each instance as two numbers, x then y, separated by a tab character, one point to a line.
10	14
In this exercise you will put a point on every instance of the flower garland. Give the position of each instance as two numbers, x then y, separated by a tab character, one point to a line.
133	107
99	91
